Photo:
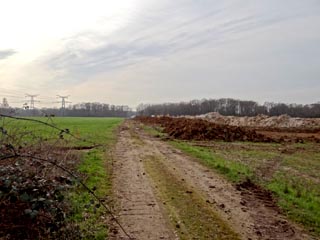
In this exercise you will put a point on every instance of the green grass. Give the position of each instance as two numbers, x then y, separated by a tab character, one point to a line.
234	171
156	132
87	212
296	184
299	199
88	130
304	162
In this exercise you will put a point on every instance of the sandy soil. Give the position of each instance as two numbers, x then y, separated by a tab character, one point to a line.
263	121
248	209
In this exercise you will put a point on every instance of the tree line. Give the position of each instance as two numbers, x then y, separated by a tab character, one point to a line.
230	107
88	109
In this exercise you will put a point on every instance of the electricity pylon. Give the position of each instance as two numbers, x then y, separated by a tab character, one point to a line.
32	99
63	103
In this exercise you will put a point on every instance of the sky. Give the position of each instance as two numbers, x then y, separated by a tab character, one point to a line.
127	52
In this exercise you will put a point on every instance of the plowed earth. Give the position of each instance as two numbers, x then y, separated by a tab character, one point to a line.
199	129
147	210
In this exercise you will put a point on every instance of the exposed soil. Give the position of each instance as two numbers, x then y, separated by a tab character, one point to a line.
200	129
136	204
282	122
79	148
247	208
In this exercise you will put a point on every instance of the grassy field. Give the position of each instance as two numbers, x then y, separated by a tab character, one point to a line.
85	130
93	163
290	171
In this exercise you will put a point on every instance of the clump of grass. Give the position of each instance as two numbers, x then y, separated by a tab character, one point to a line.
234	171
153	131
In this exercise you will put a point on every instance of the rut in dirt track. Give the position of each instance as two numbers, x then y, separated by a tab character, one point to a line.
249	210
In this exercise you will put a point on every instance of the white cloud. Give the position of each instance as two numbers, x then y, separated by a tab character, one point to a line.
145	50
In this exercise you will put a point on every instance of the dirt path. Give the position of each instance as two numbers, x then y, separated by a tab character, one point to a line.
248	209
137	207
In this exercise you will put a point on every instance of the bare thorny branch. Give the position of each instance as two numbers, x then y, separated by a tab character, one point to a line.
16	155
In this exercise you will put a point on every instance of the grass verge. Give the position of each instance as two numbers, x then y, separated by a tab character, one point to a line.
234	171
87	213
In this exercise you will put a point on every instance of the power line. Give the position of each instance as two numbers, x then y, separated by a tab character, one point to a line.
17	101
11	91
10	96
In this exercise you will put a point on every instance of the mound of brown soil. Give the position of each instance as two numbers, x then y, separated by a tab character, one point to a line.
198	129
280	123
